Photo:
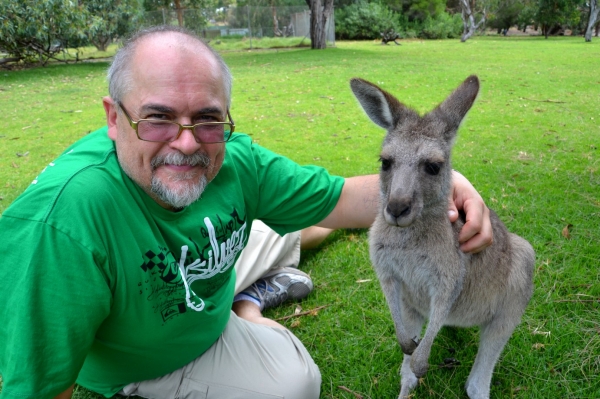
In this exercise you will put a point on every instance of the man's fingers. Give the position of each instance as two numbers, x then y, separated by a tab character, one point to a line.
452	211
476	234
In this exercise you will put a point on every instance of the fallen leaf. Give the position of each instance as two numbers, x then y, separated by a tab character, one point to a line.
364	281
538	346
565	231
295	323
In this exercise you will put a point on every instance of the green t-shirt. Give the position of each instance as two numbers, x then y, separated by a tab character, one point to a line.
99	283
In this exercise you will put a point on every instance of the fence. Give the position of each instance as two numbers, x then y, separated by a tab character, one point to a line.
247	21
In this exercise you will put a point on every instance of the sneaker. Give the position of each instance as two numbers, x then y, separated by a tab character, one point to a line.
279	285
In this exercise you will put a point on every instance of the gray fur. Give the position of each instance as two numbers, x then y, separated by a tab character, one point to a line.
414	248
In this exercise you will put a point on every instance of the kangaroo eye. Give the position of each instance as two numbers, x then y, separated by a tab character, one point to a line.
433	168
385	164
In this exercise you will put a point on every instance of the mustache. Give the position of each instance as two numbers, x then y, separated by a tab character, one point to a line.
177	158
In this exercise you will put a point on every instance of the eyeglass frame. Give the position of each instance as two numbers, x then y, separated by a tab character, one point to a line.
134	126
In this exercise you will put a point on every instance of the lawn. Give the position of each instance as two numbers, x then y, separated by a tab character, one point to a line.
529	145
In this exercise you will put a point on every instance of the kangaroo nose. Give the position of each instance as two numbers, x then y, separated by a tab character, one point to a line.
399	208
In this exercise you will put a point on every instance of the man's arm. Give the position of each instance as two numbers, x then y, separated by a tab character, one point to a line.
359	203
357	206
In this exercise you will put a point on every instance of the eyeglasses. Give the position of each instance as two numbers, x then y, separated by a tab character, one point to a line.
169	131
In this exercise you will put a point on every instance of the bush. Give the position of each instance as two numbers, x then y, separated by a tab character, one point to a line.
364	20
442	26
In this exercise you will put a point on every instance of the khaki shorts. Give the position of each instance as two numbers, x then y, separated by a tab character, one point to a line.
248	361
266	250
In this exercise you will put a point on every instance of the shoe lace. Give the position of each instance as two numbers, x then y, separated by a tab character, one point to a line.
269	294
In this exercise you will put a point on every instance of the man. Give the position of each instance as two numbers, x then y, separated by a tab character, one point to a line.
117	261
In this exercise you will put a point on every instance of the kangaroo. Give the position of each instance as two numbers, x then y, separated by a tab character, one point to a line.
414	248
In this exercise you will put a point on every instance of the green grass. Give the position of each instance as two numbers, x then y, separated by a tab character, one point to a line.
236	44
530	145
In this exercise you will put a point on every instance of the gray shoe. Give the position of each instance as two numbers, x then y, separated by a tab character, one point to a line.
279	285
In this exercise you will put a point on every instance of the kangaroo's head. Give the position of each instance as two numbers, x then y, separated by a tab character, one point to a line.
415	156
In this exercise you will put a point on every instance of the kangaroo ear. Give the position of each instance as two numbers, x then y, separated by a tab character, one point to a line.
455	107
379	105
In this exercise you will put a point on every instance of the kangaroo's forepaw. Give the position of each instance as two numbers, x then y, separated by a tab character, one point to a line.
408	347
476	390
419	368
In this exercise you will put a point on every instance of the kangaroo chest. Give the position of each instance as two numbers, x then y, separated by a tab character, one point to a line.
420	261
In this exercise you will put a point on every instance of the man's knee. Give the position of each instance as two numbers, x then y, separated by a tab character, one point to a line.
302	381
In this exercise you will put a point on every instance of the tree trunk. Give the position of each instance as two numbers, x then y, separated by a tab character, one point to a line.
319	14
101	42
179	12
276	30
469	26
9	59
594	11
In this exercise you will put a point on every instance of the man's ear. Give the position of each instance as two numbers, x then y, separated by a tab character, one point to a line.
111	117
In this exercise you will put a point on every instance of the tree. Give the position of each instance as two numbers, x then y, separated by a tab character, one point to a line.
110	20
38	30
594	11
551	15
468	17
319	14
506	14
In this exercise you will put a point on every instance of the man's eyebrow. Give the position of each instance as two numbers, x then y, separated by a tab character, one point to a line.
158	108
168	110
209	110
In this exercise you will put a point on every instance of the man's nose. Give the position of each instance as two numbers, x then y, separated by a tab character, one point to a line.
186	142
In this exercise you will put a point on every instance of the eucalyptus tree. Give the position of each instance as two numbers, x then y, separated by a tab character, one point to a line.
473	13
320	13
593	19
552	14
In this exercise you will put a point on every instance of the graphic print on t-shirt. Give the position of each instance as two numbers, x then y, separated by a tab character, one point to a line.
168	285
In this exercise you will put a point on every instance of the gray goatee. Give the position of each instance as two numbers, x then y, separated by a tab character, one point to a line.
186	193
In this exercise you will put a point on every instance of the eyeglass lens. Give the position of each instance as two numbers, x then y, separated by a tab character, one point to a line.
167	131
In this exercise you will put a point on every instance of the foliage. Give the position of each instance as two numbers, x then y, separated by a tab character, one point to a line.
34	30
527	14
442	26
111	19
554	14
363	20
505	15
420	10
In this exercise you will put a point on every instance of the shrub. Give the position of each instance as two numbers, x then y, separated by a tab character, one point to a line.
364	20
442	26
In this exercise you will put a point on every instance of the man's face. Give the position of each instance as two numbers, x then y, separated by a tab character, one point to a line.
173	82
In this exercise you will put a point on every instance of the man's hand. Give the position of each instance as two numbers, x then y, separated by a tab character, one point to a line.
66	394
476	234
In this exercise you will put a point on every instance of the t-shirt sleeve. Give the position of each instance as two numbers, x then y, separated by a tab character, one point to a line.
291	196
54	297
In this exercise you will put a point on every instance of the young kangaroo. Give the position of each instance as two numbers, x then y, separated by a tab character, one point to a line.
414	248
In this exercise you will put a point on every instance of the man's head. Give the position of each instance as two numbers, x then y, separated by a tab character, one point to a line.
168	74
